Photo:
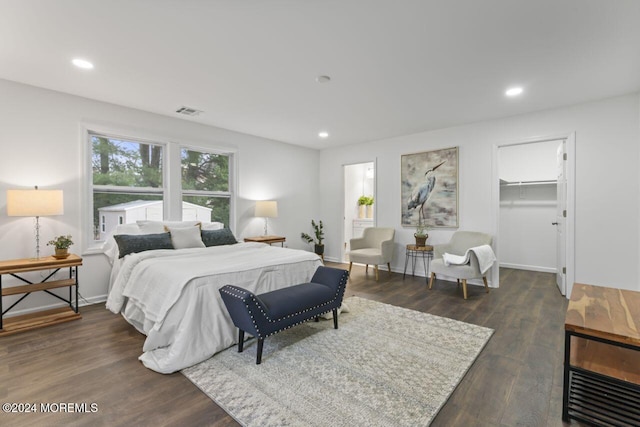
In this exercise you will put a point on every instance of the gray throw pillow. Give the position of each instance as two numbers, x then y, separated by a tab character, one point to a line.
131	243
218	237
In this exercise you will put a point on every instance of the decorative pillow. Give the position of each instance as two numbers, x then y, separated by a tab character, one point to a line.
218	237
185	237
156	227
131	243
110	247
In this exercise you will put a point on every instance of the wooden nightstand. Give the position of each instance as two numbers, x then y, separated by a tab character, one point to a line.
601	353
29	321
267	239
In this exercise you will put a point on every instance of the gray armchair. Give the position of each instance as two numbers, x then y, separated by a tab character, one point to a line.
460	242
374	247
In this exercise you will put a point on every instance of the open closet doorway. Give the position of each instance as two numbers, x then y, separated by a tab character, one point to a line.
535	225
359	201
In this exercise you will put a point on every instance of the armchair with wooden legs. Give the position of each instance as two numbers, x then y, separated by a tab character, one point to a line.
460	242
375	247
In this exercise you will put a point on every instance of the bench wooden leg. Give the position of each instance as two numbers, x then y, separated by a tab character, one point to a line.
335	318
259	355
486	285
240	340
376	268
431	279
464	288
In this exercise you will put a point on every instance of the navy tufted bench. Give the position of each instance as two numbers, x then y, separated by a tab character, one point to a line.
266	314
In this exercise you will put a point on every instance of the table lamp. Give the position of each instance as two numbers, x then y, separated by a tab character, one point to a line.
35	203
266	209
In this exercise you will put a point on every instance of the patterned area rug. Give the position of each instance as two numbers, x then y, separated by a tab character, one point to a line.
384	366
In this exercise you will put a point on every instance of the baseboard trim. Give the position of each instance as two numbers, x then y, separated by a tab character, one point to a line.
529	267
420	273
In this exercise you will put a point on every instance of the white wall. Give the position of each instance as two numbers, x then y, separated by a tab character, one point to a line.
40	143
607	182
529	162
527	238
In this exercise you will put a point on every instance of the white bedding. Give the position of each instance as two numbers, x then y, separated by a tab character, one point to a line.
172	295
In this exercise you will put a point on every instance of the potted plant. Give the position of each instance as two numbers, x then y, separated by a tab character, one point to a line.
369	205
318	231
61	244
362	205
421	234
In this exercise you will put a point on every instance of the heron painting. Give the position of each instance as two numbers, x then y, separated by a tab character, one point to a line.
430	188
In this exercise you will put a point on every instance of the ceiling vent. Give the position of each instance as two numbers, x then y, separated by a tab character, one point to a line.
188	111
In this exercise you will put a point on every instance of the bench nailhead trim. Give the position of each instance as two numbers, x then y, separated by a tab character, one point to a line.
242	294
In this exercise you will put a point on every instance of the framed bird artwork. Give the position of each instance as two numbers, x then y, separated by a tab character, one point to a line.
429	190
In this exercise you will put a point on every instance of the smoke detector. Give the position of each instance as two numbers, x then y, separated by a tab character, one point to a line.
189	111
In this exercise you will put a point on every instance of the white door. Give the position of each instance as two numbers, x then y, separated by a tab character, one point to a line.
560	222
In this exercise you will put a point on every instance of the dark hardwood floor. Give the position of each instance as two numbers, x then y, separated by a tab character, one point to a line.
516	380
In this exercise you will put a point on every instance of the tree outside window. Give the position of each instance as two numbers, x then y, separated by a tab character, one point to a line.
205	182
126	173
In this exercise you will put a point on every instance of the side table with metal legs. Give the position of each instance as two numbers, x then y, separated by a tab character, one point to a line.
414	252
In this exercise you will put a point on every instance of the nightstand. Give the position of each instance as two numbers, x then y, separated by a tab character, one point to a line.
39	319
267	239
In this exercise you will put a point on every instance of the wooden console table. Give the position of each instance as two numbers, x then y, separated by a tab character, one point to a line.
602	356
25	322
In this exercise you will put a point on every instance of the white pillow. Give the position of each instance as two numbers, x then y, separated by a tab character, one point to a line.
155	227
185	237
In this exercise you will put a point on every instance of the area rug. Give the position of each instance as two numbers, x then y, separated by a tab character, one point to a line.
384	366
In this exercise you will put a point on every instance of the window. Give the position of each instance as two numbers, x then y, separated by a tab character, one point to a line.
205	183
136	178
127	181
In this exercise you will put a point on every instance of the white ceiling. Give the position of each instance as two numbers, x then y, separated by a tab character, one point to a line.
397	67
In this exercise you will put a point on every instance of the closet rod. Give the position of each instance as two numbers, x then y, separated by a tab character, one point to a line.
509	184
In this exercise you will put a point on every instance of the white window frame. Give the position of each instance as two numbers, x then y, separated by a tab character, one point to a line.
171	175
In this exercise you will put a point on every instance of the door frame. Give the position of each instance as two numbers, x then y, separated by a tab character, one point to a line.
343	250
570	147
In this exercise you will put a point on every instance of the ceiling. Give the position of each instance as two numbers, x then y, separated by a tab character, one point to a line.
396	67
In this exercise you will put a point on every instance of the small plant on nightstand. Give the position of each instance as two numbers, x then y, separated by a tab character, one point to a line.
61	244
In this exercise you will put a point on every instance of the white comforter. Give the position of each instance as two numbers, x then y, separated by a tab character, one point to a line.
172	295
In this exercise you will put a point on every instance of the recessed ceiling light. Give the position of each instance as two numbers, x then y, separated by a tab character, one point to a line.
323	79
82	63
323	135
514	91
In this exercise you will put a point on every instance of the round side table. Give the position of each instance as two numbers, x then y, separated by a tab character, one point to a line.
414	252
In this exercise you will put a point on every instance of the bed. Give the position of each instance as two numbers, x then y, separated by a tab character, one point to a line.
171	295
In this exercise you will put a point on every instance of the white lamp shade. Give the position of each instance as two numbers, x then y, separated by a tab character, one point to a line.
267	208
34	202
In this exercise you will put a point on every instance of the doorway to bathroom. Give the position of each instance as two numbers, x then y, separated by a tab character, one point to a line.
359	201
